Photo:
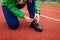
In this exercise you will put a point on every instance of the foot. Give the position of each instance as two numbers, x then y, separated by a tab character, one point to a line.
36	26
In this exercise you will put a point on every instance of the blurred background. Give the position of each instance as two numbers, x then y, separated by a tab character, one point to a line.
49	2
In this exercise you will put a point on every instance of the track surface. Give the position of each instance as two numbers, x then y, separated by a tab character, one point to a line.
49	20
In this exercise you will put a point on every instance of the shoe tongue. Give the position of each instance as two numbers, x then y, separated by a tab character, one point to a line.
35	21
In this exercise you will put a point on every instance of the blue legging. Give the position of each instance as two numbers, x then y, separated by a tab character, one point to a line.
12	20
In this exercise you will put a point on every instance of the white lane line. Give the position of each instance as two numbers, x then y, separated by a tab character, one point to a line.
50	10
45	16
50	18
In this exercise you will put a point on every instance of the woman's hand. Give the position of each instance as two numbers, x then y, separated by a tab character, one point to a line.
28	19
37	17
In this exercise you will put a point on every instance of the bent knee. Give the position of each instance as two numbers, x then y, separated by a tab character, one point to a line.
13	26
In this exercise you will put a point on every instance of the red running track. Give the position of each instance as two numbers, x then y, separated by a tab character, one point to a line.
49	20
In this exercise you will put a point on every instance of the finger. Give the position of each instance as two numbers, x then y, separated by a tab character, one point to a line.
30	20
37	18
34	16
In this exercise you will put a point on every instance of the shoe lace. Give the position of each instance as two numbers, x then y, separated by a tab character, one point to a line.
35	21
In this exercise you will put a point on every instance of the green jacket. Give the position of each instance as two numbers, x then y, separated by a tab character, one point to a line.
11	5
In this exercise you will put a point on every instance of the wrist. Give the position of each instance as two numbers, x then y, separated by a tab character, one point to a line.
38	13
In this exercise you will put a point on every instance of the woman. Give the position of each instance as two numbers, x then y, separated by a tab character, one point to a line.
11	10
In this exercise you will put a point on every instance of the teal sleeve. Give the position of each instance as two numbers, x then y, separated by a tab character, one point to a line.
15	11
37	9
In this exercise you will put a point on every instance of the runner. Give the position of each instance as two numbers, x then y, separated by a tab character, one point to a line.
11	10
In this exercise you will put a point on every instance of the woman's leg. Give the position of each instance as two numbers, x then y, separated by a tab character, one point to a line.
11	20
31	9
